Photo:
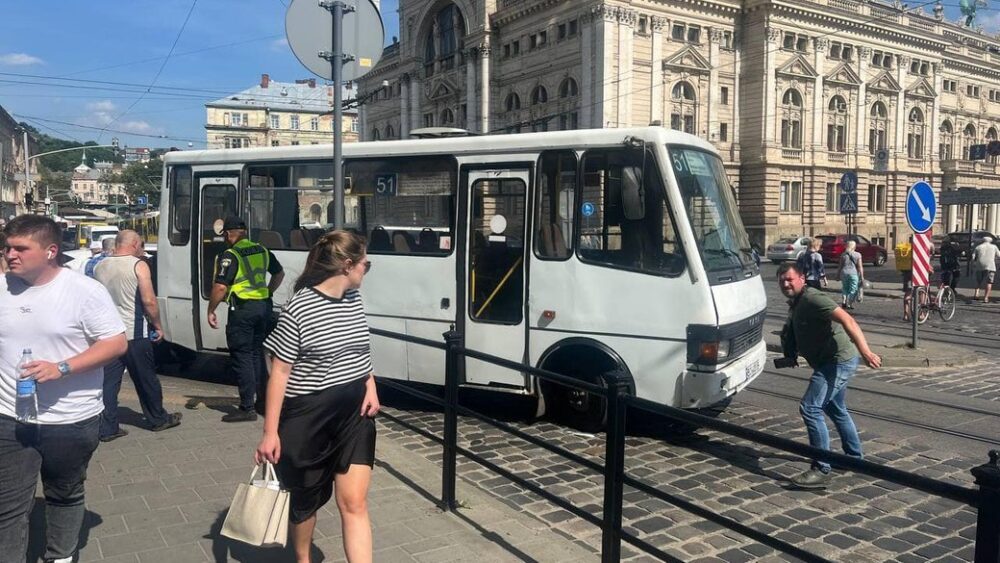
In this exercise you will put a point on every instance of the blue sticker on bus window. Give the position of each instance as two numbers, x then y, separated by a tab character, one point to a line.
588	209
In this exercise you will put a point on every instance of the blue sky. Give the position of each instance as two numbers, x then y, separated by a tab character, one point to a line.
126	42
223	49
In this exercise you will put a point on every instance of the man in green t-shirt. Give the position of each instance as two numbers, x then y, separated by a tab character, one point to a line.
830	340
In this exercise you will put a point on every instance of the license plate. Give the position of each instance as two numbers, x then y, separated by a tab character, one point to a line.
753	368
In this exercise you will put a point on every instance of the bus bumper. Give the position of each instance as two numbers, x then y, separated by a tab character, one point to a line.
705	388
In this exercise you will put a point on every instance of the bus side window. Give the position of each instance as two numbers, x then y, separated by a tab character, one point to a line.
556	208
180	180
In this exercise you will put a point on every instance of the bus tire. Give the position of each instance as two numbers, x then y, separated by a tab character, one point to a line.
572	407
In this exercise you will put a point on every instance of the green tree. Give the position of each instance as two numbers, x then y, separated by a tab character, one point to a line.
56	185
140	179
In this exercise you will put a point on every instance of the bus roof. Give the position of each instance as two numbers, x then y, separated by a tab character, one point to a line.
523	142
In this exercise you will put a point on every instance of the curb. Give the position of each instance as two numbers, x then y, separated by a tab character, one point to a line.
908	357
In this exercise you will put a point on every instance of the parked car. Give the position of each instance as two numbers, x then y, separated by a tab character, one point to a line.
834	245
786	249
961	240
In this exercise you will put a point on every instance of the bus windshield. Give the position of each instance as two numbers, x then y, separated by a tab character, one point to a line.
711	207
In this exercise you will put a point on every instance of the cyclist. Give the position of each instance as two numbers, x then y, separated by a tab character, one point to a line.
951	269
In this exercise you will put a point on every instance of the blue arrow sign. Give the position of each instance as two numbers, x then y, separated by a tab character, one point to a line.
849	182
141	200
921	207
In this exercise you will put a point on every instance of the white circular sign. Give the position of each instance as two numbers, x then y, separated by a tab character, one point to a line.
309	28
498	224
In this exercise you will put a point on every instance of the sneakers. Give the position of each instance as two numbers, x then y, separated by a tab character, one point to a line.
172	420
240	416
811	479
120	434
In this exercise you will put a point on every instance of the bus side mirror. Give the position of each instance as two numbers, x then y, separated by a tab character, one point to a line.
633	202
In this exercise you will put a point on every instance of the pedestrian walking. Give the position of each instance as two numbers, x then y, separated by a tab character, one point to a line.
811	263
241	280
984	258
830	341
99	251
951	268
72	329
319	423
850	271
129	281
904	265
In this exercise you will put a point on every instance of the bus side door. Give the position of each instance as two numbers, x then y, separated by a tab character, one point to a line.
218	198
495	272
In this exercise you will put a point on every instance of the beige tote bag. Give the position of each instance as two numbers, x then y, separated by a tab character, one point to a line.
258	514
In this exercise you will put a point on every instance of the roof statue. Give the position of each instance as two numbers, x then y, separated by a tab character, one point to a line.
968	8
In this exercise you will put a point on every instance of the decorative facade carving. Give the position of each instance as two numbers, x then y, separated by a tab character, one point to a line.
658	23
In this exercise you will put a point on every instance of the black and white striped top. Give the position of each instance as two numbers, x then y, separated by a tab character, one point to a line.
325	339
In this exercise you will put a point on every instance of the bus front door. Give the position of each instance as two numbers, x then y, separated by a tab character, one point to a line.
218	199
495	281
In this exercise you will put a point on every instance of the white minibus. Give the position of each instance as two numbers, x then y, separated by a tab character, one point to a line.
574	251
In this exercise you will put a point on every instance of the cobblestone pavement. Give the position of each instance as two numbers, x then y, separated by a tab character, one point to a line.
155	497
981	381
857	519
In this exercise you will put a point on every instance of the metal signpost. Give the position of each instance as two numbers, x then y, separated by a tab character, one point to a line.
849	199
320	46
921	209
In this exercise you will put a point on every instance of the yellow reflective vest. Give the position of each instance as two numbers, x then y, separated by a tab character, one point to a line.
252	261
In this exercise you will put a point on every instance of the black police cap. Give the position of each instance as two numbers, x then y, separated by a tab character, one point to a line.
233	223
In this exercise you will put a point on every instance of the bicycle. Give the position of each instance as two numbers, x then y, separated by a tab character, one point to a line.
943	301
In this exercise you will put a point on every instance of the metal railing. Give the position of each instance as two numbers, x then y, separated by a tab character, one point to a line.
986	499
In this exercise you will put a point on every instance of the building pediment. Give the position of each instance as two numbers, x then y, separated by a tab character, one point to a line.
687	59
797	67
922	88
884	83
442	89
843	74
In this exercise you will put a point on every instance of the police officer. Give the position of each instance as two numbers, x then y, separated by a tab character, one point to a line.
241	280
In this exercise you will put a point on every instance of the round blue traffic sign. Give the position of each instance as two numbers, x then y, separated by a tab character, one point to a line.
588	209
921	207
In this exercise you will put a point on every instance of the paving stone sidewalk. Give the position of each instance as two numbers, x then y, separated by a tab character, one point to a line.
162	497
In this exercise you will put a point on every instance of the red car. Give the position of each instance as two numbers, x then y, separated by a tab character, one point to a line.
834	245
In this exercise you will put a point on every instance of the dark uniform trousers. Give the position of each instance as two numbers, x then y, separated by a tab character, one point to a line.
245	332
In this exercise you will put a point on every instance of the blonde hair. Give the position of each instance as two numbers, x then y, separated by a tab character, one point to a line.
330	256
851	245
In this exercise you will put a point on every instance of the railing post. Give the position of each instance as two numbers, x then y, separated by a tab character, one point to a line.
453	340
614	465
988	524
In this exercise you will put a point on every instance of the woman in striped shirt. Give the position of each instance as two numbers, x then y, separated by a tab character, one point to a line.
319	426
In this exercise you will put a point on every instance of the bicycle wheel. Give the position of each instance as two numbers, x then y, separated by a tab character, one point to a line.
946	303
923	304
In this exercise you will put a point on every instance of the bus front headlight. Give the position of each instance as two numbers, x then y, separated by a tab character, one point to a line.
713	352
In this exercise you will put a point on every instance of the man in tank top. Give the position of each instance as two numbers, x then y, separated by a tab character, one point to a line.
130	283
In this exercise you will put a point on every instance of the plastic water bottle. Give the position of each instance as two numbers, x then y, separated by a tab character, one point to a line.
27	398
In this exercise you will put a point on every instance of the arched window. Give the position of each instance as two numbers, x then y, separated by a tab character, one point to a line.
390	133
539	95
447	118
683	115
991	135
376	135
791	119
877	128
947	138
513	102
968	139
444	40
568	88
915	134
836	125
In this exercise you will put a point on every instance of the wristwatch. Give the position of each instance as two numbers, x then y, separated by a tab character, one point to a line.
63	368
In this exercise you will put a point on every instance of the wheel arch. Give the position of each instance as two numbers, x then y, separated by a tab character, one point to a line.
576	349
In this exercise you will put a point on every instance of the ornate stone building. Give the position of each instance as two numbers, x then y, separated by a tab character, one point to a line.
93	186
793	93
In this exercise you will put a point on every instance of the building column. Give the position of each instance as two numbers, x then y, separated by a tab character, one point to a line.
902	67
362	123
712	96
484	95
819	59
737	102
974	218
657	24
404	106
415	122
772	36
470	90
587	67
603	16
861	141
626	21
935	123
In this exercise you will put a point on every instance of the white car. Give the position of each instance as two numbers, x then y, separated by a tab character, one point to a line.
785	249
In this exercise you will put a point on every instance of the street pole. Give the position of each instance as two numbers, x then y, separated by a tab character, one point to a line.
27	171
914	307
337	60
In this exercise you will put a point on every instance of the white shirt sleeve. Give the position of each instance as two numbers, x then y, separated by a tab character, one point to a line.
100	317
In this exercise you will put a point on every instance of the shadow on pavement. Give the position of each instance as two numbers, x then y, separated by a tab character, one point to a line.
224	549
36	530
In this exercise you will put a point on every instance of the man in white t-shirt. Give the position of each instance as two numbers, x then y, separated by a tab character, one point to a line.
72	328
984	257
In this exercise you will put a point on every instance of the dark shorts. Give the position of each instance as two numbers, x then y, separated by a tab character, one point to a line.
907	279
983	277
322	435
950	277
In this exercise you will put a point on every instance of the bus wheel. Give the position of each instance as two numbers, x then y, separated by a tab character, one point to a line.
575	408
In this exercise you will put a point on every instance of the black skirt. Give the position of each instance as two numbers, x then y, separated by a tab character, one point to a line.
322	434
